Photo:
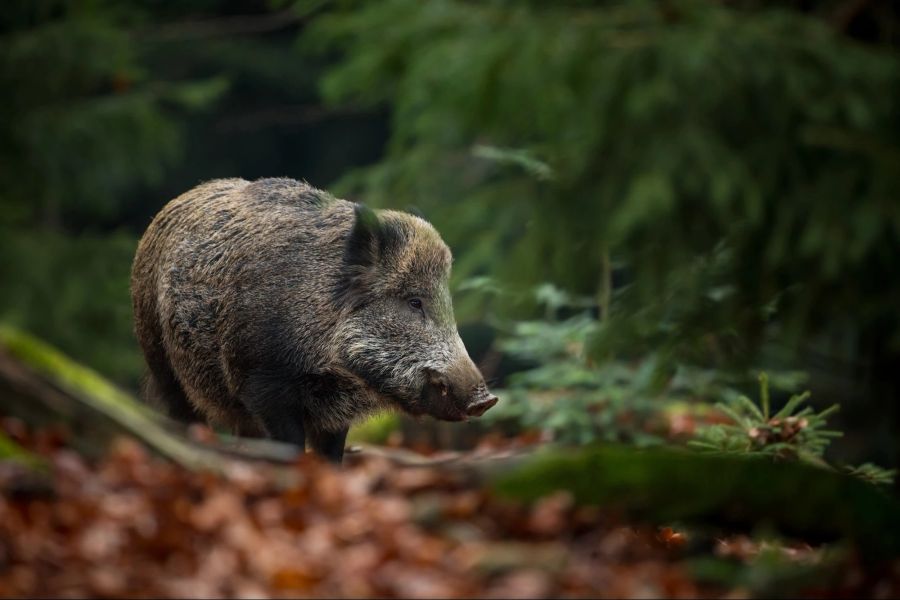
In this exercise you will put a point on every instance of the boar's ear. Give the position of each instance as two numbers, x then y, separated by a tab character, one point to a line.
371	241
362	243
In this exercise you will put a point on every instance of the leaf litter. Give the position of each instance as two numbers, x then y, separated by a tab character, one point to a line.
133	525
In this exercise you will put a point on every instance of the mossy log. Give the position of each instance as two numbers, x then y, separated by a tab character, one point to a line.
42	386
665	485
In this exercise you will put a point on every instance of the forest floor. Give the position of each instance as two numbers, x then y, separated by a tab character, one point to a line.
133	525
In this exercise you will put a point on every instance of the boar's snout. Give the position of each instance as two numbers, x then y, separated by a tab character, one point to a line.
457	395
481	401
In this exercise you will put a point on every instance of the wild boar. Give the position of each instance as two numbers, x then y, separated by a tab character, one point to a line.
273	308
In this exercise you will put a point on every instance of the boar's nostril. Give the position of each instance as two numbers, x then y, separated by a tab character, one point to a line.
476	409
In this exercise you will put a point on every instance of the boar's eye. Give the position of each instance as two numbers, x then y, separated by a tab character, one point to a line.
415	303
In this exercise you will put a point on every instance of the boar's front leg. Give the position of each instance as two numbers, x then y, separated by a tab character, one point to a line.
329	444
275	403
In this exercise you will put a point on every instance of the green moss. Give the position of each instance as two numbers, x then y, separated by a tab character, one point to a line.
98	394
666	485
375	430
10	450
75	378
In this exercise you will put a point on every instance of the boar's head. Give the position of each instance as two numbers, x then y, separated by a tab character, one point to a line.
397	329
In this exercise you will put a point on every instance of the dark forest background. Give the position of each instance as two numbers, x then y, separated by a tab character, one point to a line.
649	202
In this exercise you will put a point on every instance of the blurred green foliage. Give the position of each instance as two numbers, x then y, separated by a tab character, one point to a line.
713	152
74	291
574	399
87	122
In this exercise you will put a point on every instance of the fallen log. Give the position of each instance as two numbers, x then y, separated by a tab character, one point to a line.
43	387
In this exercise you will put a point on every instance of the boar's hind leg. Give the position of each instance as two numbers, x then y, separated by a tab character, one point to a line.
328	444
275	403
163	391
